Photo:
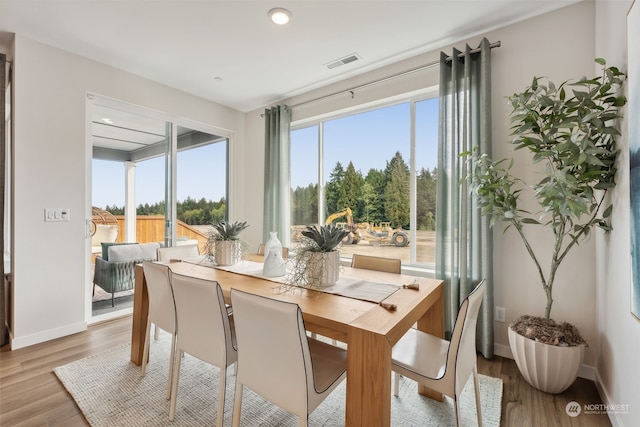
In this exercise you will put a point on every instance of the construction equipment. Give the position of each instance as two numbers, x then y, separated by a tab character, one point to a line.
382	234
353	237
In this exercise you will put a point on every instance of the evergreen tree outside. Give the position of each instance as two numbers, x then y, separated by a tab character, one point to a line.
332	189
350	190
396	203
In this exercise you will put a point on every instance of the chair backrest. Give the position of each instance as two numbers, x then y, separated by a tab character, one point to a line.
178	252
273	352
162	308
462	350
204	330
389	265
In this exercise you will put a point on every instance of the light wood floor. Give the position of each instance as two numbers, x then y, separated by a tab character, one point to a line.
31	395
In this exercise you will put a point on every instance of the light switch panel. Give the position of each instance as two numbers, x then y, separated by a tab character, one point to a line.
56	214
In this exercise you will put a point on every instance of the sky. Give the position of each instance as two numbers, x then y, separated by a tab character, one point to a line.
368	139
200	173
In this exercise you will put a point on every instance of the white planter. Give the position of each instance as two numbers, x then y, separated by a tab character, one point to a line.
548	368
228	252
322	268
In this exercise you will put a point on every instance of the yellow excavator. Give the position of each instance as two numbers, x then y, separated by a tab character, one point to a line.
382	234
353	237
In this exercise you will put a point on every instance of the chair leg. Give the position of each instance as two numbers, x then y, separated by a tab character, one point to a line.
456	410
221	393
304	421
156	332
396	384
477	391
174	386
237	404
113	299
171	359
145	353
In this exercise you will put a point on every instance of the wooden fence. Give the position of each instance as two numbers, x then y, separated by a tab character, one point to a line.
150	228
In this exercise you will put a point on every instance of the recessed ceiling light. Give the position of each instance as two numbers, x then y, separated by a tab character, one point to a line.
107	121
279	16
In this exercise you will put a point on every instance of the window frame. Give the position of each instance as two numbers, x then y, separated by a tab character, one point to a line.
420	268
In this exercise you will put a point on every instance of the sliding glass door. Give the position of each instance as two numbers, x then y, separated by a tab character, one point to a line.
153	180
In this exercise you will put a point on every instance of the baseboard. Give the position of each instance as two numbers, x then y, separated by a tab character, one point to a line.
606	400
585	371
47	335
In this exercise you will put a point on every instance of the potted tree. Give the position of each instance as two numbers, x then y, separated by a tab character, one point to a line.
317	260
571	129
223	242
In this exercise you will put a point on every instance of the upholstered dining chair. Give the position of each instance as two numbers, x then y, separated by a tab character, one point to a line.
204	331
162	311
178	252
389	265
441	365
278	361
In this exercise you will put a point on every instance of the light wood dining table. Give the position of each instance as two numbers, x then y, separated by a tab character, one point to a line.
369	330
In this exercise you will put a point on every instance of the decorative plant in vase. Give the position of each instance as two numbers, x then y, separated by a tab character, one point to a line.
223	242
570	128
317	259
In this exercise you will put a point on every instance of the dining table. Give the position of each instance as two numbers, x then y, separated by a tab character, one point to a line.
369	329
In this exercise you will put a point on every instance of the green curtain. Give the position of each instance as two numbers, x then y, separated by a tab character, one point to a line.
464	249
276	172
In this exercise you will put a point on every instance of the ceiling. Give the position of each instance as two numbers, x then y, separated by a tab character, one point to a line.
230	53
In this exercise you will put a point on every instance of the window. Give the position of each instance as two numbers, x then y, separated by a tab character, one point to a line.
372	172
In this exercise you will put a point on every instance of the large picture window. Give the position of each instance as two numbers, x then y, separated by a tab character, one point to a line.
372	172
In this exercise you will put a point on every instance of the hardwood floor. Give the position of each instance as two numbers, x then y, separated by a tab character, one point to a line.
31	395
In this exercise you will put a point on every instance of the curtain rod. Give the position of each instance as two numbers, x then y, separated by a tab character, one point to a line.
390	77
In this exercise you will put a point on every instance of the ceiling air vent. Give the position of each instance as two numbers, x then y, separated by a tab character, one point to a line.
342	61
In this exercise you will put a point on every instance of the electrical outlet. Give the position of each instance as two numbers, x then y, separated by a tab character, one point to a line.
499	314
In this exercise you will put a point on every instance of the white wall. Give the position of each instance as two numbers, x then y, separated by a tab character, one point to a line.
618	374
50	156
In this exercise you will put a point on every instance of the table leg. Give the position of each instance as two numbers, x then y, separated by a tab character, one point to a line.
140	316
432	322
368	379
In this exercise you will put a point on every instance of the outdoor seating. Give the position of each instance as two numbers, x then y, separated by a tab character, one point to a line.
114	270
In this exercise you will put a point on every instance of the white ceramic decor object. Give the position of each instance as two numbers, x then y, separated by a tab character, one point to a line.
274	265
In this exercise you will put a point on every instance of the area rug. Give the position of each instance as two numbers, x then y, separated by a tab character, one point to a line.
110	392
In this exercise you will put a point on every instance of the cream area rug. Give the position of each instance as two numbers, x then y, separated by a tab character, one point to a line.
110	392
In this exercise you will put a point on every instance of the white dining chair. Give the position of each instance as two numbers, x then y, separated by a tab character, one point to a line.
277	360
178	252
162	311
204	331
171	253
441	365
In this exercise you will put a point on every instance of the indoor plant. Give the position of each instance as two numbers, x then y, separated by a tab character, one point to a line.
570	128
223	242
317	259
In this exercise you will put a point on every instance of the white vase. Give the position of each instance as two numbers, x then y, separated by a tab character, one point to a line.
548	368
228	252
322	268
274	265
